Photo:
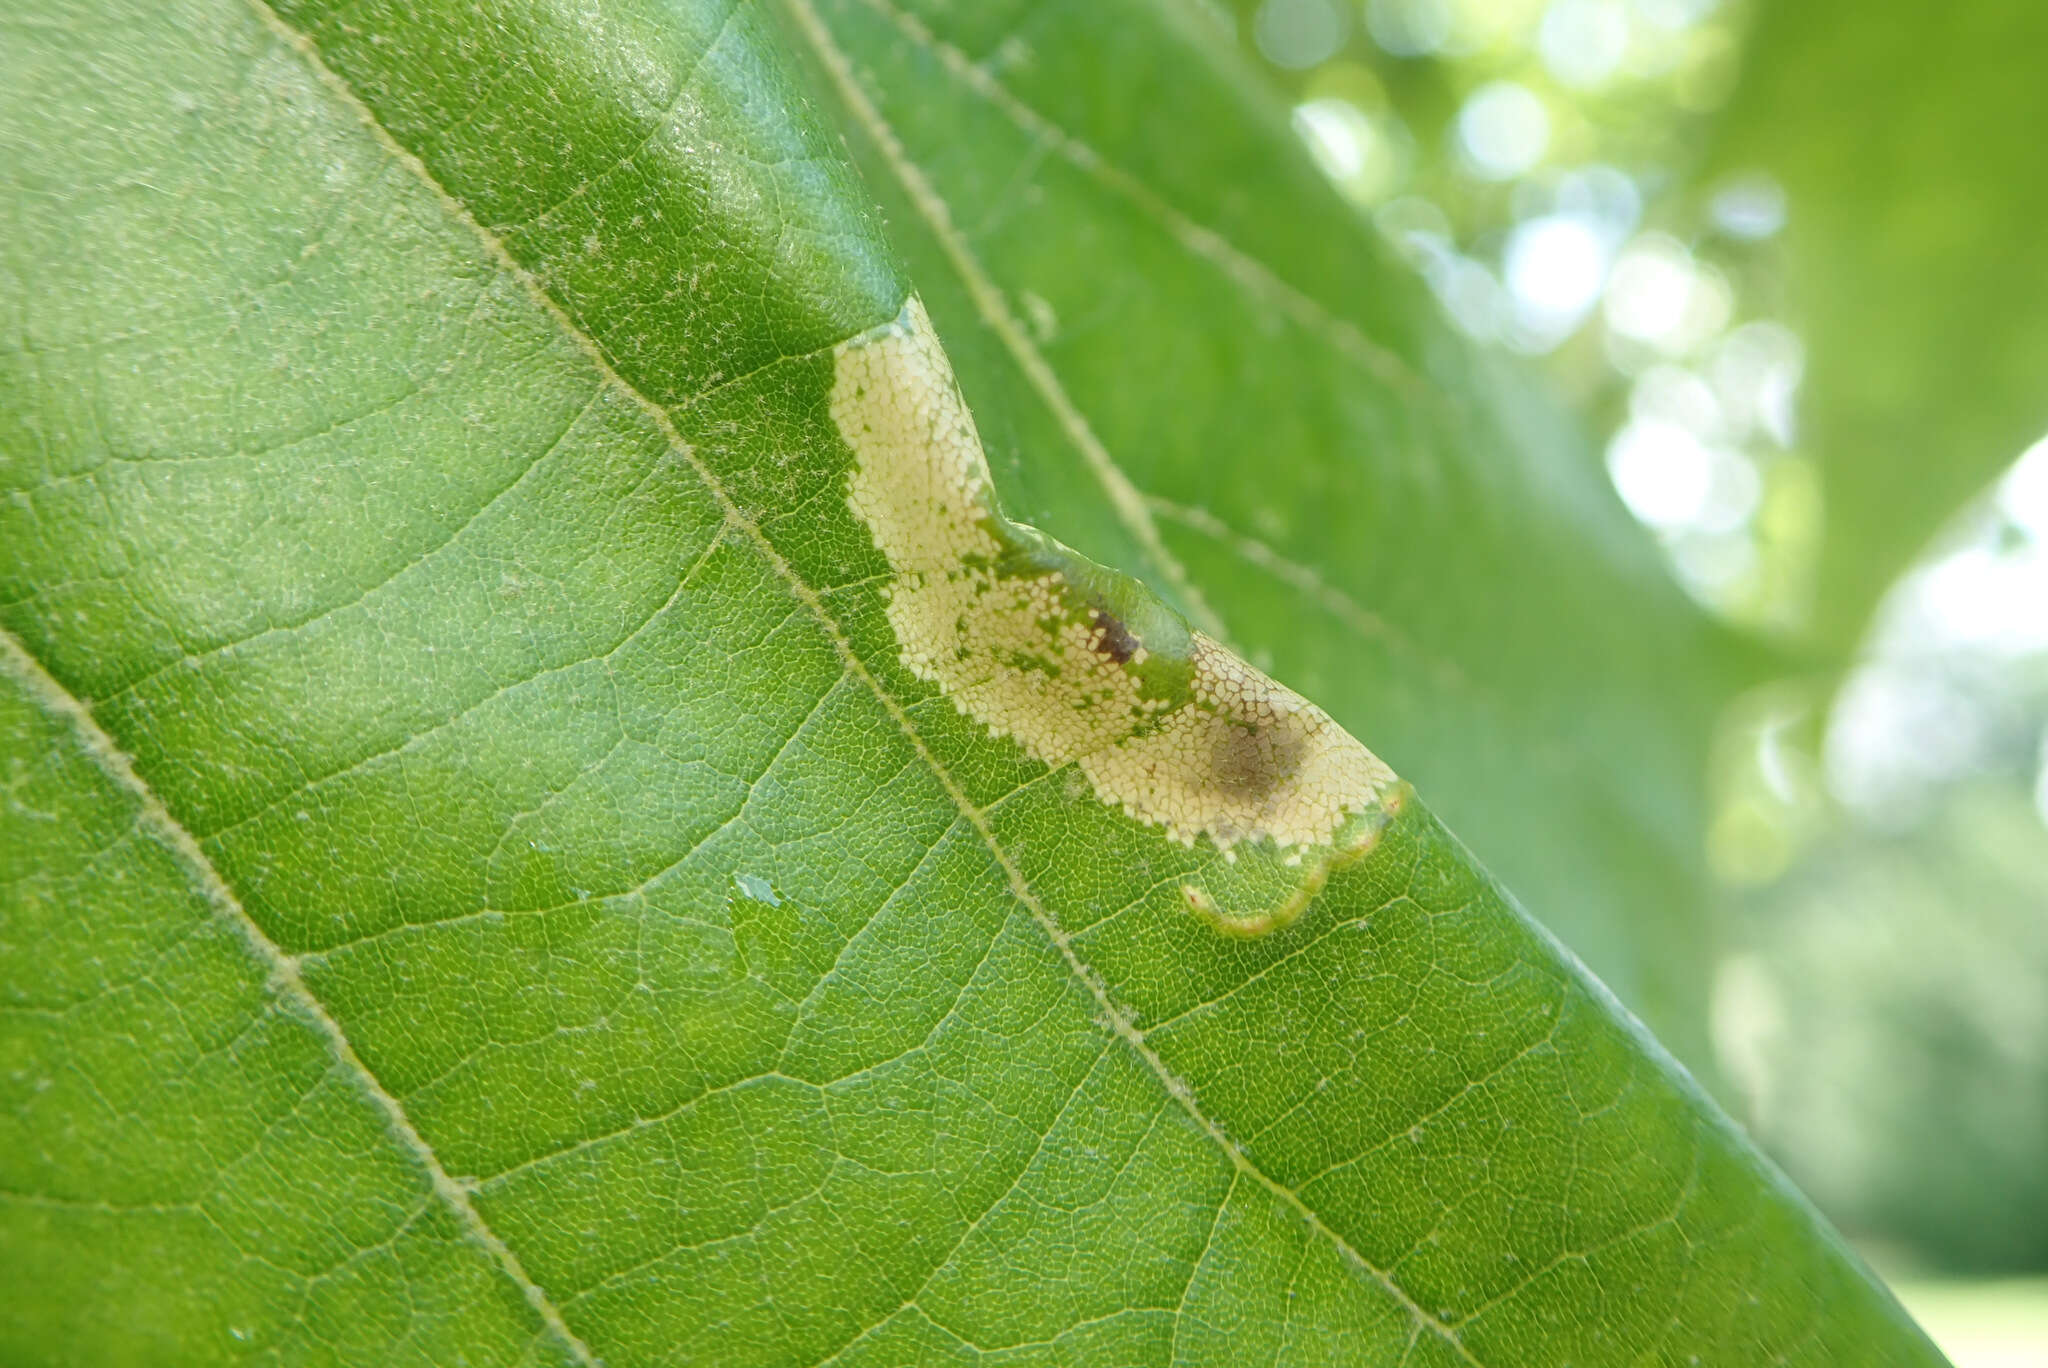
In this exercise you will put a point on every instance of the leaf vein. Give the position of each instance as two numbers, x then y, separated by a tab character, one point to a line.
1113	1017
1125	499
282	971
1240	267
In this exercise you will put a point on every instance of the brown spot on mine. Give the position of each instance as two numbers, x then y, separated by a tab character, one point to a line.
1113	639
1250	762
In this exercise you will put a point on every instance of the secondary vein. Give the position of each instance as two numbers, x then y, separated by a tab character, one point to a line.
281	968
1125	499
1113	1016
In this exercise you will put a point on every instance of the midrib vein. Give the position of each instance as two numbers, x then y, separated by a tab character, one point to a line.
281	969
1113	1016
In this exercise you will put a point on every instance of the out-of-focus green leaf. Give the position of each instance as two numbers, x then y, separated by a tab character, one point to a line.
480	876
1908	141
1895	1023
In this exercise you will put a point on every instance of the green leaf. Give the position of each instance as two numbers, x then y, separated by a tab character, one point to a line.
548	818
1908	145
1190	358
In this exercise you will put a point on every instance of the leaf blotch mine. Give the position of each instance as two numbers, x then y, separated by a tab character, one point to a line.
1077	664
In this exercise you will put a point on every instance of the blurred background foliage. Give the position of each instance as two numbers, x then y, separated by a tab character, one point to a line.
1785	258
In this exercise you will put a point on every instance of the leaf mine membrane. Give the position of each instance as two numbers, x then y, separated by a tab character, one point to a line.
1076	665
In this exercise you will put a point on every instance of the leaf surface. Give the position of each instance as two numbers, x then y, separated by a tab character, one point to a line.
1321	472
487	875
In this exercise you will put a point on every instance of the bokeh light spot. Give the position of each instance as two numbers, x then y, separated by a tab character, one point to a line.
2023	493
1662	471
1503	130
1298	34
1350	148
1582	41
1409	28
1555	267
1749	207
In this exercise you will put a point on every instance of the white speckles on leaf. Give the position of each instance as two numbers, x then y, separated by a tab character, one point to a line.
1230	755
